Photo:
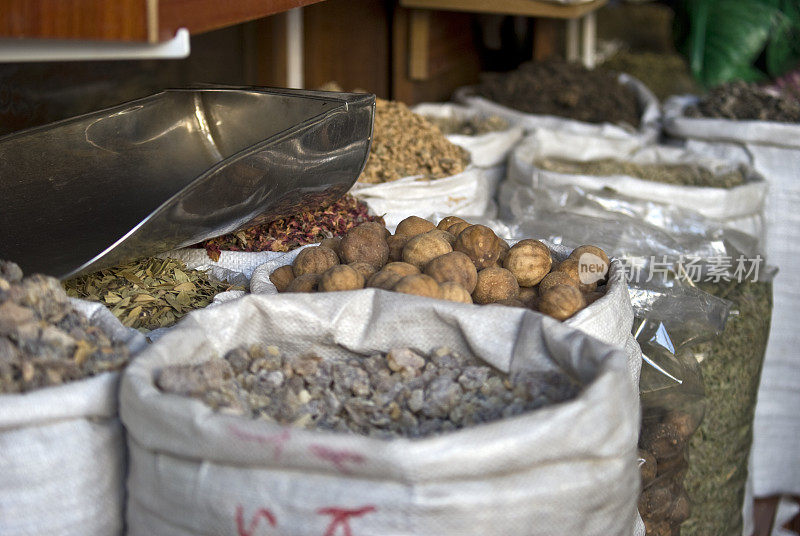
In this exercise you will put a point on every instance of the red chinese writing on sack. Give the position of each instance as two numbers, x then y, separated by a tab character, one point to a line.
340	519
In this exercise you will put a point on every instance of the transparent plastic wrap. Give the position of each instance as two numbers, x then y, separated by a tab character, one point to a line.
679	247
669	322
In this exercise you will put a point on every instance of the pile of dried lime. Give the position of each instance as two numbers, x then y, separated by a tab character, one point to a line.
44	341
454	261
149	293
405	144
398	394
682	174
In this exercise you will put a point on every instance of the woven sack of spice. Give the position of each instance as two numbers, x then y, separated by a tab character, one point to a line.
727	192
63	458
582	136
567	468
772	148
609	319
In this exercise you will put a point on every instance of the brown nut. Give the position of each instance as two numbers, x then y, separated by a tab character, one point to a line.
334	243
480	244
555	278
281	277
648	468
683	422
423	248
341	277
673	467
314	260
561	301
495	284
578	272
419	285
449	221
680	509
454	266
363	244
457	228
304	283
511	302
655	501
384	279
529	296
528	263
662	439
454	292
396	244
401	268
413	226
594	250
444	235
504	247
365	269
378	228
593	296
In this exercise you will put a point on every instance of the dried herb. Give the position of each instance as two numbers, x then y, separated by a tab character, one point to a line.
286	234
718	452
665	74
469	126
406	144
44	341
149	293
399	394
563	89
742	101
683	174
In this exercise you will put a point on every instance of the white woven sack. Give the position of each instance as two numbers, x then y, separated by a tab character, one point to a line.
741	207
468	193
62	451
487	150
609	319
579	134
565	469
773	149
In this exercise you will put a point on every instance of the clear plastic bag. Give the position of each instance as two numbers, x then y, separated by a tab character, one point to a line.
677	248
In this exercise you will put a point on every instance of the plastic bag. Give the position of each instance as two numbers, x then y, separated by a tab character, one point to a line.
568	468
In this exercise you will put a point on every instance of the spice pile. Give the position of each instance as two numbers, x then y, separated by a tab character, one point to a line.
743	101
455	261
664	74
731	367
44	341
470	126
398	394
405	144
563	89
150	293
286	234
682	174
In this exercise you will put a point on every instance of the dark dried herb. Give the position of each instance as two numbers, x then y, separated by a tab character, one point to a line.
742	101
683	174
399	394
149	293
718	452
563	89
286	234
44	341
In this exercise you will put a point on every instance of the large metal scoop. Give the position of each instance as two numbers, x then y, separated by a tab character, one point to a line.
171	170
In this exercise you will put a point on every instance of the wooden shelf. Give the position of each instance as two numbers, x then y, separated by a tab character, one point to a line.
129	20
528	8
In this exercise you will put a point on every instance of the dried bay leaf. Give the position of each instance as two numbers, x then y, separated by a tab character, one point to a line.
149	293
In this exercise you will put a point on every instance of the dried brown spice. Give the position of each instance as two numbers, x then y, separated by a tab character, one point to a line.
44	341
747	101
149	293
286	234
468	126
683	174
405	144
401	393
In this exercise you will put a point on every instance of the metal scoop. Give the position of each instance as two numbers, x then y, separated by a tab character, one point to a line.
171	170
